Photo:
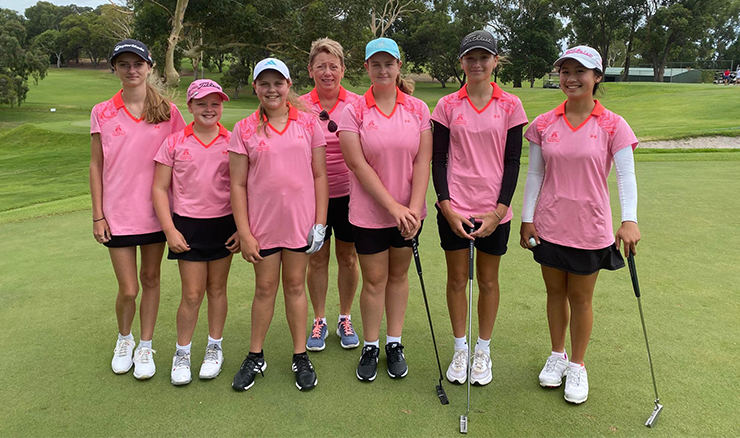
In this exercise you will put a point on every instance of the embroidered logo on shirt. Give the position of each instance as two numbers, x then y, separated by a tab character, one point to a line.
497	116
593	135
262	146
185	156
553	138
460	120
224	152
371	126
157	127
118	131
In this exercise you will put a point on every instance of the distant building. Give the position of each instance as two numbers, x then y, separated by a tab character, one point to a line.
641	74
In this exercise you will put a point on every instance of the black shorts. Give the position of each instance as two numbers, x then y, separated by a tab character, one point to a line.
136	240
270	251
206	237
495	244
374	240
337	219
575	260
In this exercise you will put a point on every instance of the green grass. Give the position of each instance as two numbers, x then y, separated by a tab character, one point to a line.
57	291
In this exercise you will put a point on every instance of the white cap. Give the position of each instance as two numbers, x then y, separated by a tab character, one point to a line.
271	64
587	56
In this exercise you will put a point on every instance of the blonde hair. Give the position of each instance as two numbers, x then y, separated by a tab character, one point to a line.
262	114
326	45
156	106
404	84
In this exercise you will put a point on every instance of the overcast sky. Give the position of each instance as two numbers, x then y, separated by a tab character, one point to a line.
21	5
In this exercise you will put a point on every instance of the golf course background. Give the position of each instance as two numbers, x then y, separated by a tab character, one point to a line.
57	292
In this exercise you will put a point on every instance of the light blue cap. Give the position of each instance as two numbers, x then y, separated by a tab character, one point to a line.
378	45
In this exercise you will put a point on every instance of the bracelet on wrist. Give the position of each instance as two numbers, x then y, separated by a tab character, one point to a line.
497	215
98	220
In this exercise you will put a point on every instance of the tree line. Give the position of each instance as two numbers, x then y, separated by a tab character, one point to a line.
232	35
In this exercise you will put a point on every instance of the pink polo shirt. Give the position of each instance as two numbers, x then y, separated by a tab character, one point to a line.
336	169
573	208
129	146
390	144
200	173
475	163
280	187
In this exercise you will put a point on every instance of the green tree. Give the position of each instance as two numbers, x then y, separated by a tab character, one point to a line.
597	22
44	16
54	42
18	60
86	33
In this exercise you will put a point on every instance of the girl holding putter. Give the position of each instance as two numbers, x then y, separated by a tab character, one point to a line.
567	213
127	131
193	165
279	195
386	141
327	100
475	165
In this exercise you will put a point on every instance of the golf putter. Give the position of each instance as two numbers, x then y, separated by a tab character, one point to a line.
464	418
653	419
440	390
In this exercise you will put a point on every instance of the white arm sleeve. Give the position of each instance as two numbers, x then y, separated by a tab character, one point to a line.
535	176
624	161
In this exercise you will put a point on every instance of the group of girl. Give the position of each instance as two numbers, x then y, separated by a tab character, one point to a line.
299	169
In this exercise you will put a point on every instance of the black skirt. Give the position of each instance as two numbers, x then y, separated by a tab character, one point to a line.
575	260
206	237
136	240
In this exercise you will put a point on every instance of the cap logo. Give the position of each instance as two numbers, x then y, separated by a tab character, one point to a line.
579	51
270	62
478	37
121	46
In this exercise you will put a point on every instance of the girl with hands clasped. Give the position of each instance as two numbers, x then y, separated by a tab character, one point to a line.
127	131
477	145
200	229
279	194
566	211
386	141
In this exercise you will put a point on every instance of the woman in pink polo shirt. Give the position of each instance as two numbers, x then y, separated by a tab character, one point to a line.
127	131
386	141
200	228
327	100
567	213
279	194
477	145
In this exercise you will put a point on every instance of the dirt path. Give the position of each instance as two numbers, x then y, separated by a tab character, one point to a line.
695	143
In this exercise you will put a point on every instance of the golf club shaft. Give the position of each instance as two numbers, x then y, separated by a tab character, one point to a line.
417	260
636	288
470	313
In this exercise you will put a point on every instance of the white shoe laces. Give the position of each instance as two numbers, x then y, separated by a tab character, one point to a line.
211	355
182	361
144	355
481	361
550	365
460	359
123	348
574	377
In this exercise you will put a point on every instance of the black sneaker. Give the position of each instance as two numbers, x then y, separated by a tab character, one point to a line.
244	378
367	370
305	376
396	360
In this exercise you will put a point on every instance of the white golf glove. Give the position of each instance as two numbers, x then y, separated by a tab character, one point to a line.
316	238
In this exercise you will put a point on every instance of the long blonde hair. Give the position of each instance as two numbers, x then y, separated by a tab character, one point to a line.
262	114
156	106
404	84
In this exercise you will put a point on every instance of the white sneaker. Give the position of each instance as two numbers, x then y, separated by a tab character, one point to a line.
212	362
180	374
457	372
552	373
480	373
576	385
144	363
122	361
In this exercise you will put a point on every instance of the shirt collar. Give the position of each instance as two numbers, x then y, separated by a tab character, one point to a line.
221	130
370	99
292	113
314	94
597	111
496	94
118	100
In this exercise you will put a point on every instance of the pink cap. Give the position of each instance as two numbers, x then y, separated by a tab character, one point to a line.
587	56
203	87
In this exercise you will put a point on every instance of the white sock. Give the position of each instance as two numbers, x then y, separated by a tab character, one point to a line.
483	345
376	343
128	337
461	343
392	339
144	344
575	366
215	341
185	348
561	355
341	317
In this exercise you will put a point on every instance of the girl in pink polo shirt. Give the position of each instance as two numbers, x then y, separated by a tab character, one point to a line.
279	194
567	213
327	100
477	145
200	229
386	141
127	131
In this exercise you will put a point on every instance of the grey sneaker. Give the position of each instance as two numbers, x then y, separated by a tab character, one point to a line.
346	332
319	332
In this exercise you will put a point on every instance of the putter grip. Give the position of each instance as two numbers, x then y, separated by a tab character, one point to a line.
633	274
417	259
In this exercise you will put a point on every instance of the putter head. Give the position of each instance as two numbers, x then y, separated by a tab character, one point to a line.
463	424
653	420
442	395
